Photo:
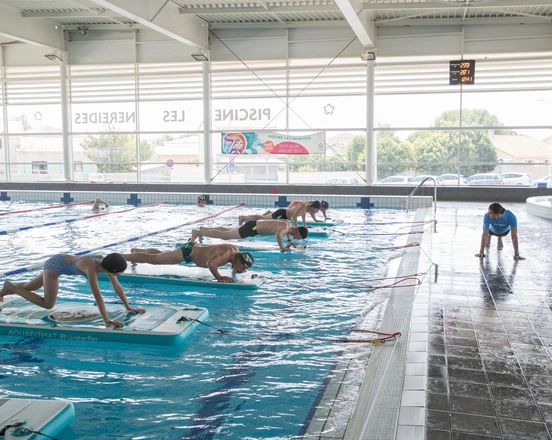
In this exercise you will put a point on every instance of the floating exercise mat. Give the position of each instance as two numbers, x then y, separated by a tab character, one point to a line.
78	321
33	418
188	275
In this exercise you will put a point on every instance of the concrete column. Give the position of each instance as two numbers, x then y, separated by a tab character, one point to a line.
207	162
371	172
67	144
5	115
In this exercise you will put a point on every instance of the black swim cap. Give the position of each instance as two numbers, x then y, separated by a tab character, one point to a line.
246	259
114	263
303	231
316	205
325	205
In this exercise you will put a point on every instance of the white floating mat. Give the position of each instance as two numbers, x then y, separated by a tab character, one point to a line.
185	276
48	417
73	321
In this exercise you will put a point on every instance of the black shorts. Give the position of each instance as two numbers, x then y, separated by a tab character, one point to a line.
280	214
504	234
249	229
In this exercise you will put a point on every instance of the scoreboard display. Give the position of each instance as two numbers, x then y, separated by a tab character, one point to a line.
462	72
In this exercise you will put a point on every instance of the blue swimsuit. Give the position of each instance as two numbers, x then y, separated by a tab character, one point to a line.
58	265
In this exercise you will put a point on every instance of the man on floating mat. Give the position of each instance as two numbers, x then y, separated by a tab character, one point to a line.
89	266
300	209
279	228
209	256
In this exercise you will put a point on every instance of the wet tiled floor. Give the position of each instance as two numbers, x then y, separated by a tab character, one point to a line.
489	362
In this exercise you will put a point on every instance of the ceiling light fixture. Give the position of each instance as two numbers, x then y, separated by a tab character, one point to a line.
201	55
368	55
53	56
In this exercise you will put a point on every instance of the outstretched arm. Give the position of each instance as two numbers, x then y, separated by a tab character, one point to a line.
516	244
314	218
95	288
217	261
484	239
121	294
280	240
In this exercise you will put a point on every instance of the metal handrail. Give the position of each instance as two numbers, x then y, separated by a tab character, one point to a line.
434	199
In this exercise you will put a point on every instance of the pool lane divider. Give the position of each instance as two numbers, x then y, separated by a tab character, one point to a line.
128	240
47	207
71	220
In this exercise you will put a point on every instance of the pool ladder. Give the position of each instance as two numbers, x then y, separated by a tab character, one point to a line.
434	199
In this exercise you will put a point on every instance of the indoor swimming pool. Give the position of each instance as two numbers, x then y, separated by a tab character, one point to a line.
261	378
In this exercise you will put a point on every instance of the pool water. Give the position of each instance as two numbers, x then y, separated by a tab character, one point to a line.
260	379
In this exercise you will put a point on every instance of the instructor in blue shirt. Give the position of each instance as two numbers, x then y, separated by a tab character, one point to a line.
499	221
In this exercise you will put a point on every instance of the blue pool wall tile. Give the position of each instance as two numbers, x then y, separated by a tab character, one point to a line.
253	201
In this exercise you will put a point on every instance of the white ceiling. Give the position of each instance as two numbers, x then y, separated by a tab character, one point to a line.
69	14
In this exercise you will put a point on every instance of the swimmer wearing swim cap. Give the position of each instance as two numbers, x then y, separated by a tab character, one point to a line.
209	256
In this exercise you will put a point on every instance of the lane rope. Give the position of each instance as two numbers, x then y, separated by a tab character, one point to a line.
128	240
71	220
46	207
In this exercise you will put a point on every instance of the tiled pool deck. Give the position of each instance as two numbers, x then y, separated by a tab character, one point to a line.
474	360
489	333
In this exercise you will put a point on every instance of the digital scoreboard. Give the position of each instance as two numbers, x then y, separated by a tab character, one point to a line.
462	72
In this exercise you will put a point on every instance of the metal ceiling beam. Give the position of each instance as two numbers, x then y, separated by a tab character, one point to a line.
356	24
257	10
69	14
458	21
454	5
191	31
39	33
288	25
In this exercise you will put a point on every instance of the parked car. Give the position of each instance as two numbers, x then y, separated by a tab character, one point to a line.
343	181
395	180
452	179
518	179
545	182
485	179
416	180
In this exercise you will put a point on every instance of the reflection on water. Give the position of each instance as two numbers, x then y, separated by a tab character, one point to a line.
258	380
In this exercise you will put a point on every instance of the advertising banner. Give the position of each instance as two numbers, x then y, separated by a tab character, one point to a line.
250	142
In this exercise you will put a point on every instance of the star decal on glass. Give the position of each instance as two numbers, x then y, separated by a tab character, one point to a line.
329	109
38	116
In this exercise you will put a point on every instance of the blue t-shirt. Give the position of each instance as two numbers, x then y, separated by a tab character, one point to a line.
500	225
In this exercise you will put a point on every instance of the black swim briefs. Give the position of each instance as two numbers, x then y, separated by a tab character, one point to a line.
249	229
186	249
280	214
503	234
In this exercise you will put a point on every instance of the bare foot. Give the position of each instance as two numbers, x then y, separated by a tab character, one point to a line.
240	220
7	289
499	247
195	234
133	250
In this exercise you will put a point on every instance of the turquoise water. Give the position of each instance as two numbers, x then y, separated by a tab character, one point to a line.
259	380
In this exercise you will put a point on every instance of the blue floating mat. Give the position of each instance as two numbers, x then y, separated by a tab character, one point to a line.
328	223
48	417
184	276
74	321
318	233
254	246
